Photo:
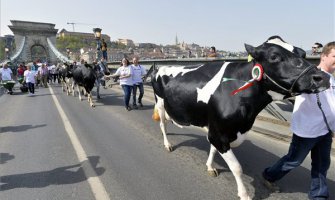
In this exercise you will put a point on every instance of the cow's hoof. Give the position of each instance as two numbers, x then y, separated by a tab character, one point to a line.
169	148
93	106
245	197
213	173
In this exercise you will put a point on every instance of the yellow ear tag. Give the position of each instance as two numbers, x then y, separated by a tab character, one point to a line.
250	58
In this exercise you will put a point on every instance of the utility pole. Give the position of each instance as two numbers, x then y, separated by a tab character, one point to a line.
72	25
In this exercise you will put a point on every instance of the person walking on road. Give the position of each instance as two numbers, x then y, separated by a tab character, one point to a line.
29	78
6	75
125	73
313	123
138	73
43	73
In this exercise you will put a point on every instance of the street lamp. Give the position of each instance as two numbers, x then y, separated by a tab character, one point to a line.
68	53
97	35
7	53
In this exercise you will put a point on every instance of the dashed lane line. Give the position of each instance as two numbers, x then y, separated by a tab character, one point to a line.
94	181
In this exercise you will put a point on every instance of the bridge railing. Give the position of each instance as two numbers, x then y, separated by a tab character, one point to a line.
191	61
17	54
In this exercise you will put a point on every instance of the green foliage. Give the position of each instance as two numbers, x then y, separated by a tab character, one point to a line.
75	43
117	45
2	50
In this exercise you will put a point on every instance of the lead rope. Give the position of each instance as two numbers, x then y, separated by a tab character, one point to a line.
323	114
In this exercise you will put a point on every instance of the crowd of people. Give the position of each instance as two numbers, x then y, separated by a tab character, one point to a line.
33	75
40	74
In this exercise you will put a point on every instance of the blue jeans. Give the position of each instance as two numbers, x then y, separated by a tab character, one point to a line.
140	86
127	92
31	87
104	55
320	148
97	83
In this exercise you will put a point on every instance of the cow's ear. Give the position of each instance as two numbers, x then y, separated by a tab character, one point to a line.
300	52
251	50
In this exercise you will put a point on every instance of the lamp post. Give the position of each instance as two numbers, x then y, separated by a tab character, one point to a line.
68	53
7	53
97	35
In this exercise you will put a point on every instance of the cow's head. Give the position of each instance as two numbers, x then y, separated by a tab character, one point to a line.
285	69
69	68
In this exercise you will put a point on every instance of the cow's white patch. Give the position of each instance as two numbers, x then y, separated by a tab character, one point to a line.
173	71
279	42
205	93
240	139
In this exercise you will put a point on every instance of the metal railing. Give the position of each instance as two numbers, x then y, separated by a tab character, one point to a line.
191	61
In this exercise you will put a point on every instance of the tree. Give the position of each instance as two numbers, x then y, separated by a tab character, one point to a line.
2	50
75	43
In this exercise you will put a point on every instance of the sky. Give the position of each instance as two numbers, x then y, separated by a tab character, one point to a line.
225	24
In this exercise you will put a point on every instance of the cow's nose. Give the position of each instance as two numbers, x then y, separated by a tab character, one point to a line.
317	79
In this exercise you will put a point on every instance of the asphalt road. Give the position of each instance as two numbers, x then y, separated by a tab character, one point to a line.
121	153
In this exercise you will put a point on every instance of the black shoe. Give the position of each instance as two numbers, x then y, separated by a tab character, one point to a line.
135	106
273	187
99	97
140	104
128	108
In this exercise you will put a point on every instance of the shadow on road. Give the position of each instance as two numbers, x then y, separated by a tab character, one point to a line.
19	128
253	160
4	157
59	176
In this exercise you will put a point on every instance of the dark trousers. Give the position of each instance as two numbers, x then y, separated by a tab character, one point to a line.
55	77
31	87
104	55
320	148
140	87
127	92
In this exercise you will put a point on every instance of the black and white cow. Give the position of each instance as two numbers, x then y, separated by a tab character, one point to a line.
65	74
84	77
224	98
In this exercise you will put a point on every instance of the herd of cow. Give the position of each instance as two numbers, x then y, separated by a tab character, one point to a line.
83	76
221	97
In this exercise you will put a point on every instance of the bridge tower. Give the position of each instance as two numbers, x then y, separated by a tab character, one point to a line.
34	40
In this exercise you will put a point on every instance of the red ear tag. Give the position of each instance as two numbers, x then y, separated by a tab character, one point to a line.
257	72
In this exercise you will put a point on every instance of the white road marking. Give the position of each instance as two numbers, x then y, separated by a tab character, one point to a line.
95	183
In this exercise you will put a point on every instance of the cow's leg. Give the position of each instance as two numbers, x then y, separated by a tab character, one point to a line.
236	169
68	86
161	111
90	100
79	92
72	87
210	169
68	90
63	85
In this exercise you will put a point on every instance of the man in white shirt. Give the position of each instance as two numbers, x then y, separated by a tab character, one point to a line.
138	73
6	75
312	128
